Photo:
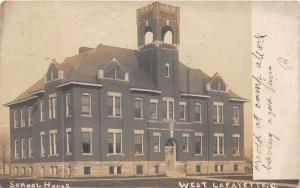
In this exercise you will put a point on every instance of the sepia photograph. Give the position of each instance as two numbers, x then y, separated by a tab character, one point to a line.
131	94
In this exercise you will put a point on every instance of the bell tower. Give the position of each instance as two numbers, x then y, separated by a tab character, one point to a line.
158	42
157	20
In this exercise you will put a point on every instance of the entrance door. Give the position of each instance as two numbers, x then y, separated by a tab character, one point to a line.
170	157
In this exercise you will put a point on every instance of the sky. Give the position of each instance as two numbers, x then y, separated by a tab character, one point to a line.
214	37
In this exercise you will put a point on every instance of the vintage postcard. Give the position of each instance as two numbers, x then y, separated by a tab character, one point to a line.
187	94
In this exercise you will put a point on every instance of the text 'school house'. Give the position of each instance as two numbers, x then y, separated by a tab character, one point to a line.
111	111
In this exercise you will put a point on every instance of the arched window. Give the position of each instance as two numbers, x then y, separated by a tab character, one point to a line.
148	37
167	34
167	70
168	37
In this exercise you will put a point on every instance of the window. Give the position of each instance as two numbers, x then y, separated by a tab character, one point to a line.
219	168
23	148
115	170
114	104
185	142
156	141
138	141
69	135
217	112
236	144
197	112
52	106
198	168
219	143
114	71
53	170
30	147
23	118
68	104
86	104
42	143
235	116
156	169
86	142
16	119
139	169
87	170
182	108
30	171
167	70
198	143
16	149
30	116
138	108
168	108
153	108
114	141
111	170
42	110
52	140
235	167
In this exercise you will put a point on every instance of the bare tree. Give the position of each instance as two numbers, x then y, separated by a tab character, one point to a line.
4	150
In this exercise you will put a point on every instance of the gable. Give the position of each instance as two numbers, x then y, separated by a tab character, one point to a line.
114	71
218	84
52	72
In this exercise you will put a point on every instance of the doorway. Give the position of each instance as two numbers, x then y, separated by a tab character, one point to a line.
170	155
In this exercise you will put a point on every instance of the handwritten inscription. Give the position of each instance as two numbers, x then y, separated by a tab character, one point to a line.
264	112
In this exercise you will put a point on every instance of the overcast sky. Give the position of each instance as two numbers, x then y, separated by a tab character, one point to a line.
214	37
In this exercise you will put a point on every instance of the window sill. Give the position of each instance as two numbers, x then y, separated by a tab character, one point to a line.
68	116
200	122
236	124
154	117
138	118
157	151
199	155
87	154
235	155
54	155
185	151
219	155
42	120
118	117
139	154
115	154
68	154
82	115
52	118
218	123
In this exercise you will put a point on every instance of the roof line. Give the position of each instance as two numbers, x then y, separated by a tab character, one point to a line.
241	100
145	90
80	83
194	95
17	102
37	92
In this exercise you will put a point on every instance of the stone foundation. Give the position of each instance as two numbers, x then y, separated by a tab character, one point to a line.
124	168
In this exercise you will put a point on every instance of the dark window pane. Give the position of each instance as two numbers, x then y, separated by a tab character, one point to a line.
111	169
118	106
86	142
119	170
139	169
118	142
110	105
153	109
138	108
87	170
